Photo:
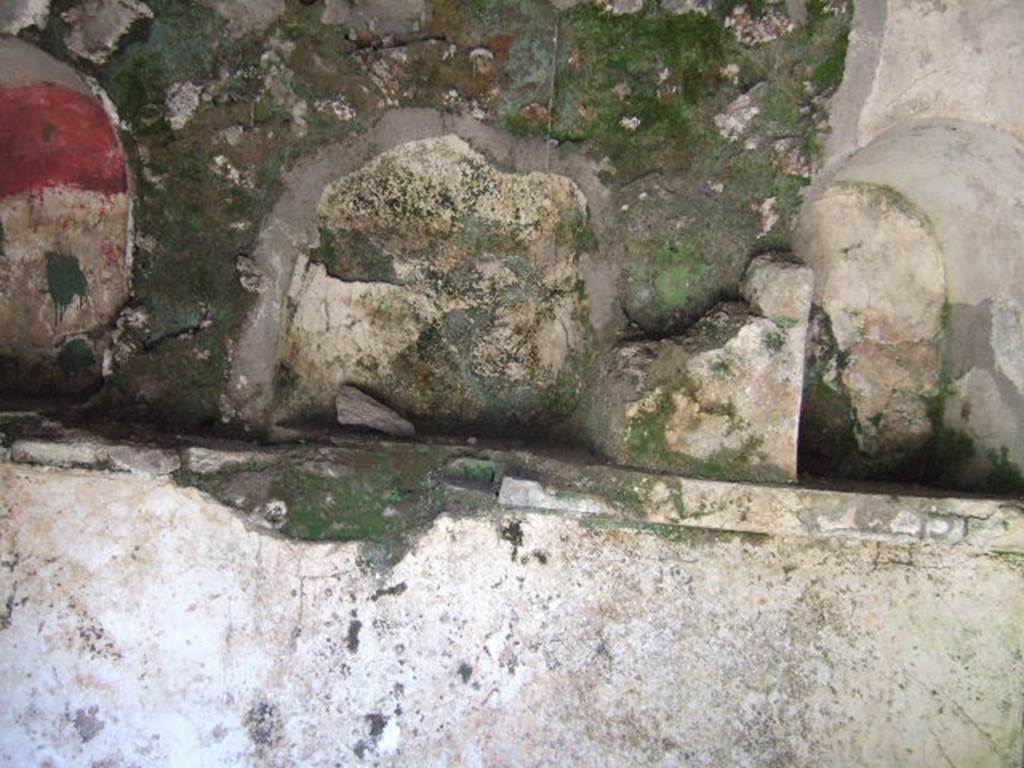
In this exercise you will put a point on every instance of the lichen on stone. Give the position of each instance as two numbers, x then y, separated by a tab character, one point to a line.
457	284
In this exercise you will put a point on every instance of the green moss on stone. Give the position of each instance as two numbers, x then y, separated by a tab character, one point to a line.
350	254
645	439
473	471
671	284
829	73
75	356
1004	477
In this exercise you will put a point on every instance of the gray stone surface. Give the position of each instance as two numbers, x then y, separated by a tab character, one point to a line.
95	27
383	17
95	454
354	408
16	15
147	625
917	59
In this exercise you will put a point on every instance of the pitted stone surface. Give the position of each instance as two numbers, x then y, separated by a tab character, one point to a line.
170	629
723	400
441	285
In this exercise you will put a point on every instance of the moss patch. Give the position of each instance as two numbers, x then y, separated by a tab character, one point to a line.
645	445
376	505
829	73
665	290
352	255
75	357
1005	477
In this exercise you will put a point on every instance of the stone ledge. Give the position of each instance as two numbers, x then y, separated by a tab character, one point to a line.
616	495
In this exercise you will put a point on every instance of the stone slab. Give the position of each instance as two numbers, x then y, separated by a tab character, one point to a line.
145	625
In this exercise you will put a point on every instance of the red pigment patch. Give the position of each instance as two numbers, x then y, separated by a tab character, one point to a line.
52	136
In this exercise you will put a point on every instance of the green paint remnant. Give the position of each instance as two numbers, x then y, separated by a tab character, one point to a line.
2	253
65	281
75	356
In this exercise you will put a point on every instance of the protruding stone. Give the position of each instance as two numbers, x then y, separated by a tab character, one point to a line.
779	288
741	111
921	284
182	101
880	280
93	454
16	15
529	494
205	461
357	409
97	26
725	399
446	283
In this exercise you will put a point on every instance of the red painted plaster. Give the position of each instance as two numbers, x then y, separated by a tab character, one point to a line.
52	136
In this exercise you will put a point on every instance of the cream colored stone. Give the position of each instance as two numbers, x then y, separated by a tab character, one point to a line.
948	59
879	277
91	227
171	630
424	189
16	15
488	253
350	332
724	398
779	289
